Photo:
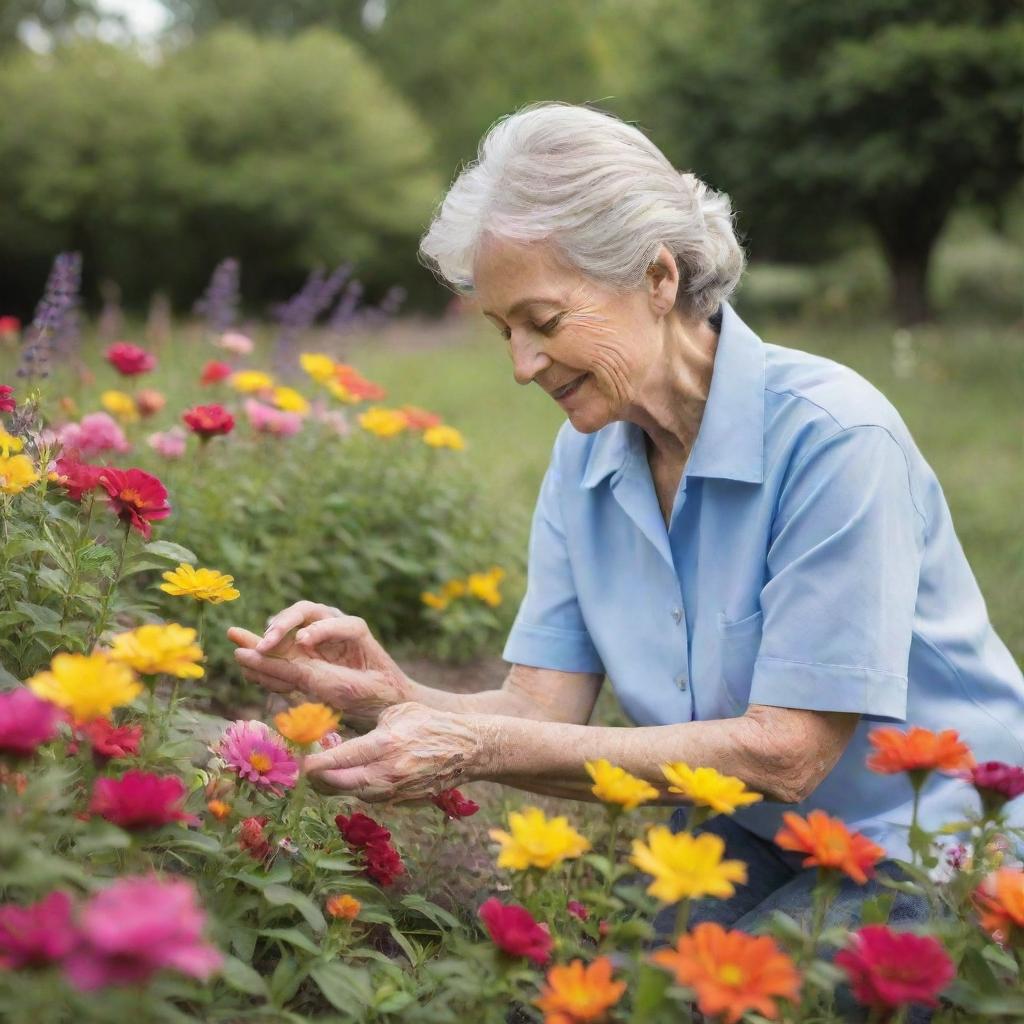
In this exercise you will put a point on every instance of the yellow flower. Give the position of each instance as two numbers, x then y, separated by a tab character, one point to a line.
153	650
318	365
382	422
250	381
444	437
537	841
707	788
686	866
16	473
340	392
87	685
484	585
435	601
454	588
615	785
121	405
306	723
289	400
9	443
202	584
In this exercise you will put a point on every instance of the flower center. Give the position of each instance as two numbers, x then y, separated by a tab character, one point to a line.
131	497
731	975
260	762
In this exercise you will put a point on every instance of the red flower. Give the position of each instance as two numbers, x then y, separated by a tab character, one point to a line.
454	804
109	741
26	722
577	910
10	327
515	931
996	782
383	863
7	403
209	420
888	969
214	371
77	478
140	800
252	840
38	934
129	359
136	497
361	830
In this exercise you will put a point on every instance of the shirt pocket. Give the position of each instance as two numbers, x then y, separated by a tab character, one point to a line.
738	644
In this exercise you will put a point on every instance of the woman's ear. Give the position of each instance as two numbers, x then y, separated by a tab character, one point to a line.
663	282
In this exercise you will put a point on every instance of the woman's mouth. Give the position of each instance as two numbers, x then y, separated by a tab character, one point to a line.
568	390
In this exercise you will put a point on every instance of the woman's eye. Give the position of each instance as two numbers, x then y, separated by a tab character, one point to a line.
550	325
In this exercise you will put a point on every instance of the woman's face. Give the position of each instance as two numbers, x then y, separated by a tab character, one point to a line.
587	346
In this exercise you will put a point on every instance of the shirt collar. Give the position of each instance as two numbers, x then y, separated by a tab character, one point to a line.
730	441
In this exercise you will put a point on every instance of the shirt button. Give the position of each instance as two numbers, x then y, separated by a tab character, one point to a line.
681	682
677	614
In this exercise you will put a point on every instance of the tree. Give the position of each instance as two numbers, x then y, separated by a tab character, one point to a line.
816	115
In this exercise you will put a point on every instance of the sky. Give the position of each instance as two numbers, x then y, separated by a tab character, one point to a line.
144	16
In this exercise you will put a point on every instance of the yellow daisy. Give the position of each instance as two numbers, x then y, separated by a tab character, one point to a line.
307	723
444	437
160	650
686	866
615	785
87	685
707	788
201	584
536	841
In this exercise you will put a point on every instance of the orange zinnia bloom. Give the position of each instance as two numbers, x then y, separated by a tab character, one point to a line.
731	972
918	750
999	901
344	906
828	843
576	994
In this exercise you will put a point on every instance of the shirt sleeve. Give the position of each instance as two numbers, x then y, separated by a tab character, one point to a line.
549	631
843	568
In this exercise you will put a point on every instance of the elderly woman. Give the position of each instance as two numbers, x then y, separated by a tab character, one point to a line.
743	537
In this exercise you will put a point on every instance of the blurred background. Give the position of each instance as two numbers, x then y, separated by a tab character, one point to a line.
873	152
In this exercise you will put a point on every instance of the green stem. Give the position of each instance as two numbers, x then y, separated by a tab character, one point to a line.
682	917
614	814
101	624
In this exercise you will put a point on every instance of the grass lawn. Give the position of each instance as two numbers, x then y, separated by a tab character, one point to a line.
962	395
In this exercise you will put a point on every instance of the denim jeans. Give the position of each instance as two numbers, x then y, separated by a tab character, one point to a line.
777	881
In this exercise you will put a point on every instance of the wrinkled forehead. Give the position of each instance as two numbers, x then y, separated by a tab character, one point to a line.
507	273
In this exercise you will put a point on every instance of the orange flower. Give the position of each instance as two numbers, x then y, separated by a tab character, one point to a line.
306	723
344	906
999	901
828	843
575	994
731	972
918	751
219	809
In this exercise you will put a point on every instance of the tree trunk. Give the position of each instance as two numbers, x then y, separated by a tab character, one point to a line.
908	278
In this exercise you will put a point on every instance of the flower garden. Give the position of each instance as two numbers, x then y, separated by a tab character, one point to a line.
162	853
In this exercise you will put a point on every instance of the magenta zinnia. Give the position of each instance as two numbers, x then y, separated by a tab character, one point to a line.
139	926
35	935
140	800
137	498
26	722
256	754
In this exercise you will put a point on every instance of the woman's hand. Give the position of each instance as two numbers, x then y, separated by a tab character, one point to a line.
332	657
415	752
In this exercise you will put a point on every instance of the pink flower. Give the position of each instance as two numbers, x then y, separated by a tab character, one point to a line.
268	420
26	722
108	740
135	497
140	800
98	432
331	739
137	927
236	342
170	444
251	838
515	931
256	754
7	402
10	328
996	783
214	372
38	934
129	359
335	419
577	910
77	478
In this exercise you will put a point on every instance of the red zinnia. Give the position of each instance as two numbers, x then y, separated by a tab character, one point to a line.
361	830
209	420
996	782
7	403
454	804
215	371
10	327
577	910
129	359
26	722
252	840
888	969
109	741
140	800
383	862
77	478
136	497
515	931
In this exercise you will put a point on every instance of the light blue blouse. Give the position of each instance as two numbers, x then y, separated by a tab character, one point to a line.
810	562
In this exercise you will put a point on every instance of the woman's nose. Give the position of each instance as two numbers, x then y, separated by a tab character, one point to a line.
527	358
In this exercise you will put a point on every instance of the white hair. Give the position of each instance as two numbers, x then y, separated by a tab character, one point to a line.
600	192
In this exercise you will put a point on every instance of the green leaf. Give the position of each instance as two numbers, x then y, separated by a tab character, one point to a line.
431	911
293	937
287	977
648	993
242	977
284	895
38	615
280	872
342	985
243	942
337	864
876	910
394	1003
170	552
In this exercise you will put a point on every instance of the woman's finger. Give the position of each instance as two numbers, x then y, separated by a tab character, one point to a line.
361	751
336	628
268	682
242	637
277	668
362	778
290	618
